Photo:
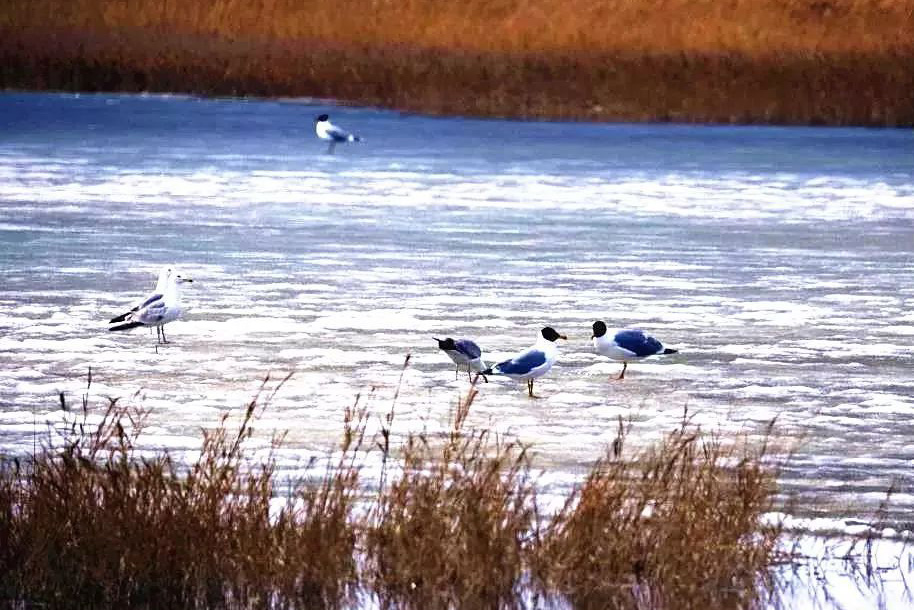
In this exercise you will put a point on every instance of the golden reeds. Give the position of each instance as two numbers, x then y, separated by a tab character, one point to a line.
665	26
747	61
97	523
453	521
450	530
678	526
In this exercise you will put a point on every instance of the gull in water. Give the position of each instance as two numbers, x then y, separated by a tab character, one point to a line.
532	363
626	345
326	130
156	293
158	310
463	352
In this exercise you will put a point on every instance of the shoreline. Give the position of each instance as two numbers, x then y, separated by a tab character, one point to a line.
305	100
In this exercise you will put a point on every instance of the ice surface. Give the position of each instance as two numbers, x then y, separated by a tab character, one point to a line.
778	261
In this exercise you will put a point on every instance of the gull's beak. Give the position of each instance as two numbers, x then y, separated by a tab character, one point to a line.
592	337
563	337
186	279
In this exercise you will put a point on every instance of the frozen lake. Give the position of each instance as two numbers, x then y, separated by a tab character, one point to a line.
779	261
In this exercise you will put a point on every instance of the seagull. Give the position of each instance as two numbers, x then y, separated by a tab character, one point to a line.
157	292
326	130
158	310
532	363
626	345
464	353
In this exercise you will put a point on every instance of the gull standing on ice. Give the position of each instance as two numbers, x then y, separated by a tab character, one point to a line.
626	345
158	310
156	293
463	352
532	363
326	130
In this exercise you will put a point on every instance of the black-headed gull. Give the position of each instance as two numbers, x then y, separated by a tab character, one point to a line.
326	130
463	352
626	345
533	362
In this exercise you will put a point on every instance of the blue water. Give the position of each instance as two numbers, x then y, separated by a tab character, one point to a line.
779	261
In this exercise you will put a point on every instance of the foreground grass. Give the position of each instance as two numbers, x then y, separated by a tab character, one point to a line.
747	61
454	521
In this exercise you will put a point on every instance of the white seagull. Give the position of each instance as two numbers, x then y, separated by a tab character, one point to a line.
326	130
157	292
158	310
532	363
463	352
626	345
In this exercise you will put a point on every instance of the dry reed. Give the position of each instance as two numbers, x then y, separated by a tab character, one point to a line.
747	61
453	521
676	526
450	529
98	524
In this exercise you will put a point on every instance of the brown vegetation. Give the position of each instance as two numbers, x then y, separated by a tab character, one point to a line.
98	524
748	61
454	521
451	529
672	525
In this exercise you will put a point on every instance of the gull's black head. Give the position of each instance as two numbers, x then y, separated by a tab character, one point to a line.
323	117
599	329
445	344
549	334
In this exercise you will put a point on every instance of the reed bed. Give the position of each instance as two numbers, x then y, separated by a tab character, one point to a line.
451	529
453	521
97	523
674	524
744	61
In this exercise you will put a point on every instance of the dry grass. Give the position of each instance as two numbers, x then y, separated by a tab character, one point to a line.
452	522
677	526
96	524
450	529
666	26
748	61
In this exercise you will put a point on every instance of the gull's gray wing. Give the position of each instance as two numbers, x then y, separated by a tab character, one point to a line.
148	301
522	363
468	348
